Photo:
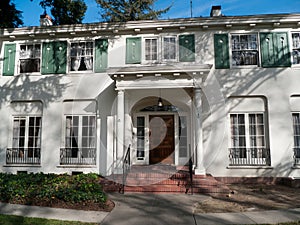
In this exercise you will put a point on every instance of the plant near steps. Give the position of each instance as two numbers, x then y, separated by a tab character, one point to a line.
33	189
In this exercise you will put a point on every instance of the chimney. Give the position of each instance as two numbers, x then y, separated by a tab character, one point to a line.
45	20
215	11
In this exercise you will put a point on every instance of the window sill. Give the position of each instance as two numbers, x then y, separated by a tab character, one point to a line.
21	165
249	167
296	166
77	166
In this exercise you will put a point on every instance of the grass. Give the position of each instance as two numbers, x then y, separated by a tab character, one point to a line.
13	220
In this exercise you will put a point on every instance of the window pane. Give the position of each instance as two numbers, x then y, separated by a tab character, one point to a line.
82	56
244	49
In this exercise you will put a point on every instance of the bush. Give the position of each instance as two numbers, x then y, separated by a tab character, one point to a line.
32	188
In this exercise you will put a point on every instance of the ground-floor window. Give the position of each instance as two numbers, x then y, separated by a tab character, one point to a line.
296	126
26	140
248	139
80	140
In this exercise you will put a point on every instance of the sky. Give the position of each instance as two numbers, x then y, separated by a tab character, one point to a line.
179	8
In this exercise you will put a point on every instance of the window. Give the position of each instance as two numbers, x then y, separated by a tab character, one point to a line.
30	58
151	46
244	49
26	141
169	48
248	139
183	137
296	126
296	48
82	56
80	140
140	138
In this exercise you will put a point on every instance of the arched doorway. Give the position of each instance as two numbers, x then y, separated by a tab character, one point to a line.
161	134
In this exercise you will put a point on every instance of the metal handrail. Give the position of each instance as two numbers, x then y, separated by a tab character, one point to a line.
126	168
191	169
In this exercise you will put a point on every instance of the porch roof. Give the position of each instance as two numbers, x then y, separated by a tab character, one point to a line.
159	76
158	70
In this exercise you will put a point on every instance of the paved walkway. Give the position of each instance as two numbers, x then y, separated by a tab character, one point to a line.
154	209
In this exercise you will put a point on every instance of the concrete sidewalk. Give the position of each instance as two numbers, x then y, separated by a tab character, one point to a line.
52	213
170	209
153	209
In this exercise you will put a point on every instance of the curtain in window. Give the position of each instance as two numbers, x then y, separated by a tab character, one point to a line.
76	54
88	59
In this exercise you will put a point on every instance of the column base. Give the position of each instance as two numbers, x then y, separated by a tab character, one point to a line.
200	171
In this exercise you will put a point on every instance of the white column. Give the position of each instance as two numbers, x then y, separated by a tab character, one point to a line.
198	131
120	131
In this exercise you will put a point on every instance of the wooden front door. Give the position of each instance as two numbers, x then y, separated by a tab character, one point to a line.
161	139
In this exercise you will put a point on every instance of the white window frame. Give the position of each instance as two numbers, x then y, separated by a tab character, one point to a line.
247	132
19	58
16	148
295	46
231	49
69	55
163	48
80	153
144	50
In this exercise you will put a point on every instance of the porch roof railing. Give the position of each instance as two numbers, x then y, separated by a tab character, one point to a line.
249	156
23	156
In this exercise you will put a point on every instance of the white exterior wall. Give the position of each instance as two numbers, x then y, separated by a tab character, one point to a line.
276	85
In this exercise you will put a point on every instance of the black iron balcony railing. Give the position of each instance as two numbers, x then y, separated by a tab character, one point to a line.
297	155
249	157
78	156
23	156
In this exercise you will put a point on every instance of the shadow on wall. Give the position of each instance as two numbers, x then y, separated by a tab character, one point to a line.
24	88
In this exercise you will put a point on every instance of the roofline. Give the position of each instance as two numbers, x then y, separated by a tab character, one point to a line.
218	22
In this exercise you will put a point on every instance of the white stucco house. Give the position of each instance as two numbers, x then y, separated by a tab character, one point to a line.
222	89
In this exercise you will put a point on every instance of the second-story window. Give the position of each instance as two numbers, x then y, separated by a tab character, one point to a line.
296	48
30	58
151	46
169	48
244	49
81	56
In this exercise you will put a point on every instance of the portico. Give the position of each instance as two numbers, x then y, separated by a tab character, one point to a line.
169	132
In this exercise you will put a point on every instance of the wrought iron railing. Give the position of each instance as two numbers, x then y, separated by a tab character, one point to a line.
249	157
76	156
23	156
297	156
126	168
191	169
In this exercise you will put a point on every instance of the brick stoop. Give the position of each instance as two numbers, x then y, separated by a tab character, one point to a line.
163	179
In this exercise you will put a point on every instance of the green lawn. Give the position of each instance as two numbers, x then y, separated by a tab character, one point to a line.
19	220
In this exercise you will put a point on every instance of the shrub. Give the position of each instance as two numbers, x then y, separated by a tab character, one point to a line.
29	188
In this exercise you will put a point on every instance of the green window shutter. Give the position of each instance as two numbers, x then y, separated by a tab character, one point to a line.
60	52
282	49
267	50
274	50
54	57
101	46
221	50
48	60
9	59
187	48
133	50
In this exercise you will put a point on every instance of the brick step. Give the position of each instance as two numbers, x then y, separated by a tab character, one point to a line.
142	182
156	188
